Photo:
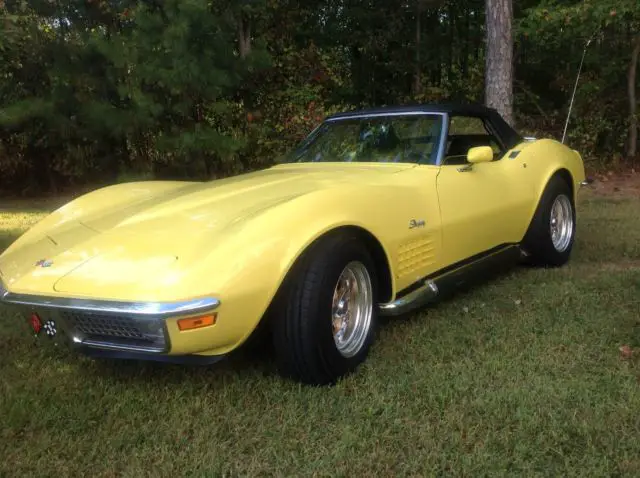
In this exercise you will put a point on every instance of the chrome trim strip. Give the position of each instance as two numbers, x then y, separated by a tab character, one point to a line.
397	113
419	297
144	309
432	287
444	132
112	346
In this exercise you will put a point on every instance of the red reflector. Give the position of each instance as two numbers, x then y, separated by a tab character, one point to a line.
36	323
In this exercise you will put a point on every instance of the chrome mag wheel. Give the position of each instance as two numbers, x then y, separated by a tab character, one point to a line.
352	309
561	223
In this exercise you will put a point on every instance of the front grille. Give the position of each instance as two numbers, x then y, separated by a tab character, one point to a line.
103	325
116	330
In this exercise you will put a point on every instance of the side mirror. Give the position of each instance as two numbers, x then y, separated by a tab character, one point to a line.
480	154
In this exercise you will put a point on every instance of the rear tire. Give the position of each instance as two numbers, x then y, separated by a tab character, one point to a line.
325	316
549	240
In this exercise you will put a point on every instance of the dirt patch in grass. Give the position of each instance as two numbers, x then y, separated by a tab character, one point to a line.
620	184
622	265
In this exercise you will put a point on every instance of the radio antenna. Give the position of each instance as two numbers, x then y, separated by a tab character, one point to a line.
575	87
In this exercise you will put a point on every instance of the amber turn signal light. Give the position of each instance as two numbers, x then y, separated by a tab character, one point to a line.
197	322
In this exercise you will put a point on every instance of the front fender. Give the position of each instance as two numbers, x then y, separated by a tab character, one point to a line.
246	270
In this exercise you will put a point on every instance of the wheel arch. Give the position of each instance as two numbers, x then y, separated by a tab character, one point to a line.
386	284
565	174
380	259
546	158
561	172
378	253
536	242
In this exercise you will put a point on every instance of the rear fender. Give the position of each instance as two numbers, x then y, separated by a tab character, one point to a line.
546	158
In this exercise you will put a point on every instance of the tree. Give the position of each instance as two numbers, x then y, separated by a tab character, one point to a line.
499	62
104	90
420	7
607	86
632	147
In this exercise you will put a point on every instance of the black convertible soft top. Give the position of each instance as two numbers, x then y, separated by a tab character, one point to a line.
506	133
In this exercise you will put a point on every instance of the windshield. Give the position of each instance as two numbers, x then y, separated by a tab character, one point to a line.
380	139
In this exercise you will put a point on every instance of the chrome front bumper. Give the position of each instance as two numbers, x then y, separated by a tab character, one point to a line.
110	325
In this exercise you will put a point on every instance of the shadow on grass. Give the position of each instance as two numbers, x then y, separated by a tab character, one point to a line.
239	365
460	293
256	358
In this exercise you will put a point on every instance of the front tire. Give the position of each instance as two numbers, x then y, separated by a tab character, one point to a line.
551	235
325	317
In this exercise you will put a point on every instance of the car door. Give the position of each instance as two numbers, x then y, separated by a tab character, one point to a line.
483	205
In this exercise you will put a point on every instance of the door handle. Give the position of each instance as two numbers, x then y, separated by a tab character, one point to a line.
466	168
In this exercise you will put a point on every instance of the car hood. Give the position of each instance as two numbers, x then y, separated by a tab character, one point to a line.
217	204
154	237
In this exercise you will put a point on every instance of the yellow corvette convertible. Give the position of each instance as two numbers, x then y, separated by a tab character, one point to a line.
376	212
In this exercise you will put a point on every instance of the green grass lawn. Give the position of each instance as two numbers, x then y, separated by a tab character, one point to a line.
522	376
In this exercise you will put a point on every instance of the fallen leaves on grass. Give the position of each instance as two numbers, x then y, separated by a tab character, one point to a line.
626	352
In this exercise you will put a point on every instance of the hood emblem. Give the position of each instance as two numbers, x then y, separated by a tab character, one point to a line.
44	263
416	223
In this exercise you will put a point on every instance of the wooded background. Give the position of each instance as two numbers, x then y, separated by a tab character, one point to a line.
93	92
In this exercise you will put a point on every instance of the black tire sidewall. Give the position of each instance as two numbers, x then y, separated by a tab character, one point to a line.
336	261
538	241
303	333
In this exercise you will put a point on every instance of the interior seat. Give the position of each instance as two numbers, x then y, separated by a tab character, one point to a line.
458	149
